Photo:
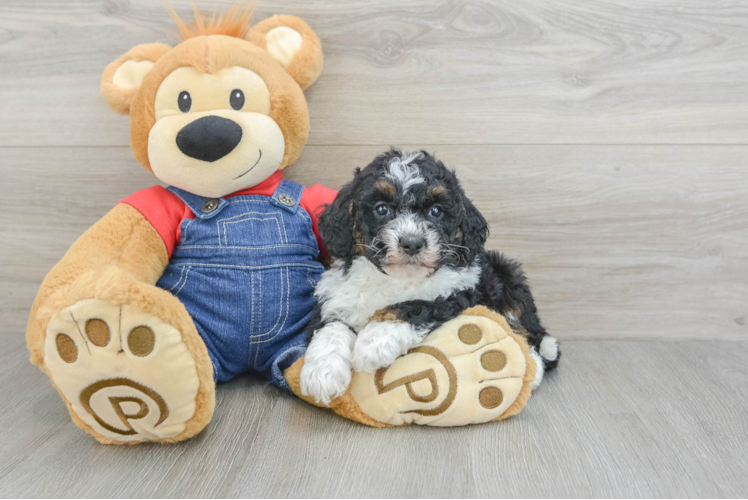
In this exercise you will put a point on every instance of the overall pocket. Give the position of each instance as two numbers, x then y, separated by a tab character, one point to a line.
252	229
270	300
270	310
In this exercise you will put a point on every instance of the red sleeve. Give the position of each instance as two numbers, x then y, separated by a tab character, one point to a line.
314	200
163	209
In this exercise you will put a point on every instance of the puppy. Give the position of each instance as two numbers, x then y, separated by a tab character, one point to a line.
408	252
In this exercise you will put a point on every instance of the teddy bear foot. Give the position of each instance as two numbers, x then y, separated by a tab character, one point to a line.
127	375
473	369
468	371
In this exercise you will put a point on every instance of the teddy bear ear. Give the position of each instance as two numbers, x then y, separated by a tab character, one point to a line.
292	43
122	77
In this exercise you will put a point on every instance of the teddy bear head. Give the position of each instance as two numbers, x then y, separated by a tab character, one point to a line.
222	110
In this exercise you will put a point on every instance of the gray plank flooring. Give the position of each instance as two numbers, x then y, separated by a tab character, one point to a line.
622	419
606	143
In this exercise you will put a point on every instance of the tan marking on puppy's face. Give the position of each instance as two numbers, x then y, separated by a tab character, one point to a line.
359	239
189	107
386	188
436	191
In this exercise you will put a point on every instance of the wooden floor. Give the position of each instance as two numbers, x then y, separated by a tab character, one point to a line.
607	144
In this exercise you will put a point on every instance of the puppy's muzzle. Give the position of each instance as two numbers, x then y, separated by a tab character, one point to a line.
411	245
209	138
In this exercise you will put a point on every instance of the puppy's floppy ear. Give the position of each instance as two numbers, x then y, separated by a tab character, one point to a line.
336	223
293	44
122	77
474	229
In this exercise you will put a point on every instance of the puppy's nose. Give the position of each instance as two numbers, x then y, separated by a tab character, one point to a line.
209	138
412	244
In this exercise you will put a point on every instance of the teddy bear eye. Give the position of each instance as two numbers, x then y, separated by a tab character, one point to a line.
184	101
237	99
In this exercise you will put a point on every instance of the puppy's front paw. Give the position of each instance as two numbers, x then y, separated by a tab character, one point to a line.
326	373
380	344
326	380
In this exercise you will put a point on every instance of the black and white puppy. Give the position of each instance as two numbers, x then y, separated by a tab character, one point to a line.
407	246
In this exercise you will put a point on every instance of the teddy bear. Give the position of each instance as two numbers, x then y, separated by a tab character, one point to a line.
179	288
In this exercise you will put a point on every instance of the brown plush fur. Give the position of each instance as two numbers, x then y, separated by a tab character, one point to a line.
346	406
210	54
119	99
121	257
307	64
123	239
118	260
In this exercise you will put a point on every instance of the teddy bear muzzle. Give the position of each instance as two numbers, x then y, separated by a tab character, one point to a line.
209	138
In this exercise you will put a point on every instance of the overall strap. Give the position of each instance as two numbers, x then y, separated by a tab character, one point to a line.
287	196
203	208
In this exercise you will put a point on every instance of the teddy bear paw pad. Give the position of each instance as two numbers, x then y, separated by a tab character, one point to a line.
467	371
126	374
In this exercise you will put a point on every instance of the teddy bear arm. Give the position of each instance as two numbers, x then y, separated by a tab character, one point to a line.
122	239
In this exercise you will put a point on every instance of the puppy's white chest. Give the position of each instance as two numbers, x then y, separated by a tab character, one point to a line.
368	300
354	296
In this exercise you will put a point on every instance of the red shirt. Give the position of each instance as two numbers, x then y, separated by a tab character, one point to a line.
165	211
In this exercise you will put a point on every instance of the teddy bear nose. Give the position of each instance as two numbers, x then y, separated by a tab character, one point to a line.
209	138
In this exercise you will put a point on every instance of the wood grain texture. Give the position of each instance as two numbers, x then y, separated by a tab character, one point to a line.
606	143
619	242
620	419
417	71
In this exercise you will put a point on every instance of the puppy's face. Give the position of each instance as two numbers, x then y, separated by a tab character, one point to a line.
407	214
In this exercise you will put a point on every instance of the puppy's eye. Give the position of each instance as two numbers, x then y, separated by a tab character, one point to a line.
435	211
382	209
237	99
184	101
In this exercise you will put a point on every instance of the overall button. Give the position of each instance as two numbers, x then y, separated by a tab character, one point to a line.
210	205
285	199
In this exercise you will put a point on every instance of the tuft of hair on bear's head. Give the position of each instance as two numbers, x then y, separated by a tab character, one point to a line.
234	22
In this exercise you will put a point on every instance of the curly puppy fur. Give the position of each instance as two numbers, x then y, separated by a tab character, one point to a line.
408	250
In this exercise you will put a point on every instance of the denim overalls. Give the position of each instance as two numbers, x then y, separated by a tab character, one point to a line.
245	268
